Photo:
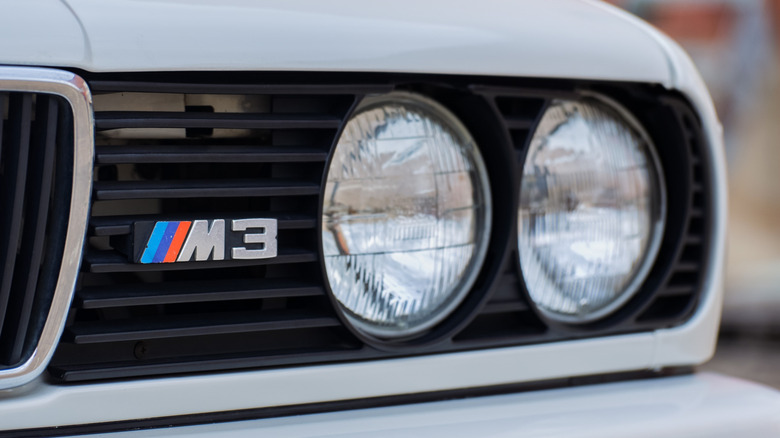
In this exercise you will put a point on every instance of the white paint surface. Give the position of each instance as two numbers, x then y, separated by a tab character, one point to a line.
560	38
551	38
705	405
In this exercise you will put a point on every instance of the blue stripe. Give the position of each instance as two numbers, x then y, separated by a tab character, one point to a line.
154	242
165	243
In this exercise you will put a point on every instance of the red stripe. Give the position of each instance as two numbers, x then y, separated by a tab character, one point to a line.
177	242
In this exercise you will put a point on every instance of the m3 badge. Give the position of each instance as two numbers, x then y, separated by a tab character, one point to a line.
202	240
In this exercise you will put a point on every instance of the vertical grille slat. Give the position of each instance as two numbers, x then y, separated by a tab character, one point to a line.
38	194
5	198
13	187
3	104
33	151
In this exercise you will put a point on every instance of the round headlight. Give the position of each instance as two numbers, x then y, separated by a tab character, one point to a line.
592	210
406	215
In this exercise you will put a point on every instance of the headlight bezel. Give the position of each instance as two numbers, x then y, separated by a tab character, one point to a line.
668	122
485	129
438	113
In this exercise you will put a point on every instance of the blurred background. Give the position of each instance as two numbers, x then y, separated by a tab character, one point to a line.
736	46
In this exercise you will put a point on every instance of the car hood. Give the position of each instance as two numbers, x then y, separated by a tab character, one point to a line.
554	38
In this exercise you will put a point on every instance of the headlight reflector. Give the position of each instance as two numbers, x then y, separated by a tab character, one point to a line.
592	210
405	220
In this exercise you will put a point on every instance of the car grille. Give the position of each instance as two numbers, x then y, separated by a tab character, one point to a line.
207	146
36	146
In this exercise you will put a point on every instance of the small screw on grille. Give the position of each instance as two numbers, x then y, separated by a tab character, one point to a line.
140	350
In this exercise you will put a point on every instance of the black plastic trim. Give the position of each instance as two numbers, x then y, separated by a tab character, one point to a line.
500	113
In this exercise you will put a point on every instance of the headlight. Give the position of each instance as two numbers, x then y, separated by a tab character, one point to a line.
405	220
592	210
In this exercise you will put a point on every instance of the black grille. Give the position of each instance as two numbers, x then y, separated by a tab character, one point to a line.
679	292
670	292
35	151
243	146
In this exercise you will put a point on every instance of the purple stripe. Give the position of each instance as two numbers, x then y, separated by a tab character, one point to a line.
165	243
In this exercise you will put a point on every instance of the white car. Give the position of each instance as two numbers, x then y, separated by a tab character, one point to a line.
303	218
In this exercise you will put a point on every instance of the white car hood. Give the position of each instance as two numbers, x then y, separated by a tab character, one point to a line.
551	38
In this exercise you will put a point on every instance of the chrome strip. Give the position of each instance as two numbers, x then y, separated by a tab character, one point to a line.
74	89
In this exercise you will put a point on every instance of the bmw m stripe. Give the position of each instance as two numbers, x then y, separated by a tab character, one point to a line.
165	242
177	242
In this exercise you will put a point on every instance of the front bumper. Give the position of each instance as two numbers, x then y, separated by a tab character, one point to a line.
700	405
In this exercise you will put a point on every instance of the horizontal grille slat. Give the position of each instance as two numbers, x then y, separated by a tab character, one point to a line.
143	294
74	373
112	190
524	92
148	119
195	325
504	307
206	154
118	226
684	289
687	267
110	261
245	88
694	240
515	122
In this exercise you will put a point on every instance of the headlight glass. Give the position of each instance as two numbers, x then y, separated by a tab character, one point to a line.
405	220
591	210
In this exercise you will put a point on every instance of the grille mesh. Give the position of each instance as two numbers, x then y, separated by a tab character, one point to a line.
232	147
